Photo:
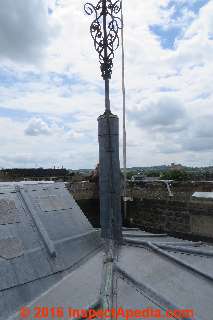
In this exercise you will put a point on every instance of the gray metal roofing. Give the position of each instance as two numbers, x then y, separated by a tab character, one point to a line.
58	260
145	278
43	234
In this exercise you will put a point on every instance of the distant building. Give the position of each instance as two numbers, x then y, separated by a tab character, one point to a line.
139	177
176	167
17	174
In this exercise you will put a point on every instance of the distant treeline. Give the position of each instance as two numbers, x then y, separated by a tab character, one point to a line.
34	172
187	174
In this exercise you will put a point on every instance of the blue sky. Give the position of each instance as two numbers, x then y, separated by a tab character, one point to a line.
51	90
168	34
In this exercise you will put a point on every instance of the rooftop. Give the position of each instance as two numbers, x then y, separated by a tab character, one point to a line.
51	255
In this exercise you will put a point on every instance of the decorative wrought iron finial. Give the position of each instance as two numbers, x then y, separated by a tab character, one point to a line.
104	31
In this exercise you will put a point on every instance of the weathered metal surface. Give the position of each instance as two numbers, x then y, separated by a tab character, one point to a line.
143	279
52	203
10	248
8	211
147	291
26	267
145	276
181	286
77	290
35	215
110	177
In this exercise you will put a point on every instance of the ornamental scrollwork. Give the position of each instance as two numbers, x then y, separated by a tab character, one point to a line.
104	31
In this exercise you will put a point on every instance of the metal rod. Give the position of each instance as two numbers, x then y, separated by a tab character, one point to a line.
180	262
107	99
178	247
143	235
124	116
130	229
186	250
107	277
180	243
49	244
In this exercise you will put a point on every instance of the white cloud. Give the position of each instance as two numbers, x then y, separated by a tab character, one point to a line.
168	91
37	127
25	30
56	149
166	114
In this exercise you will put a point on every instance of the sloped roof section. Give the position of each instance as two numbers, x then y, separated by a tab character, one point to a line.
50	255
153	271
43	235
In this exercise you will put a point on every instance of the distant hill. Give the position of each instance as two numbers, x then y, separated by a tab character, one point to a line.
153	168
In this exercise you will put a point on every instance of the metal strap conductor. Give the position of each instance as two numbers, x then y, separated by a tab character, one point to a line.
104	31
124	116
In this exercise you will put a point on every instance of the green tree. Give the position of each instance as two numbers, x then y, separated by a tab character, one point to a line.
177	175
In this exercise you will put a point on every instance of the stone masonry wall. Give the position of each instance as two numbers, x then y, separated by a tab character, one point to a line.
153	208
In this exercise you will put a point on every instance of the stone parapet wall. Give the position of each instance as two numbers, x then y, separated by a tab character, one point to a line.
195	218
182	191
83	190
160	215
152	207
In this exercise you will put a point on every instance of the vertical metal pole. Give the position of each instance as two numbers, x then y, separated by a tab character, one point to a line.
109	177
107	100
124	116
105	36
